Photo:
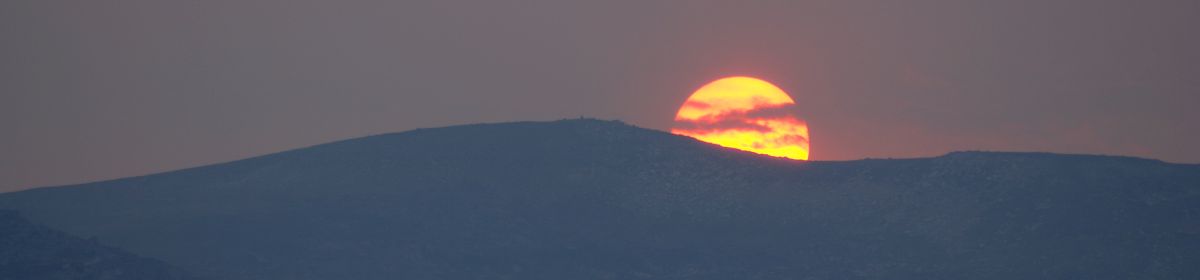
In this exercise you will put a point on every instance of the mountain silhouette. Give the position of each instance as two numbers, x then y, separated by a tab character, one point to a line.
591	199
32	252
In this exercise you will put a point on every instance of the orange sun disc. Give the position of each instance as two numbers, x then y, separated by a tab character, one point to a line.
747	114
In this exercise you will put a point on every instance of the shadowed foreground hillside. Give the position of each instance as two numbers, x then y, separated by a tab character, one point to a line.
588	199
33	252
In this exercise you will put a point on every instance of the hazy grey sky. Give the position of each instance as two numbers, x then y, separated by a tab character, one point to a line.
94	90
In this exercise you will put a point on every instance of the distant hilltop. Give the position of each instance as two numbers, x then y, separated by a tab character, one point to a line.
591	199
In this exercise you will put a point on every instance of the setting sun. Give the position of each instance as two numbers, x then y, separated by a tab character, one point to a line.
747	114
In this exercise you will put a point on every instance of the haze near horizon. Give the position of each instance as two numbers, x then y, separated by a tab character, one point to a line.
100	90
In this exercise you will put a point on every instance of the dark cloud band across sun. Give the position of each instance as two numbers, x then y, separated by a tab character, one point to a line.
744	113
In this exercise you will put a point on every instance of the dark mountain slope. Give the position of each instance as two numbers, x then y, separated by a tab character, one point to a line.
587	199
33	252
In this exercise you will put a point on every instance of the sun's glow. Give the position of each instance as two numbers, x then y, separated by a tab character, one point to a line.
744	113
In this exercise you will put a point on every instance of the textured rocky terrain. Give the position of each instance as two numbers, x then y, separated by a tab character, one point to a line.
33	252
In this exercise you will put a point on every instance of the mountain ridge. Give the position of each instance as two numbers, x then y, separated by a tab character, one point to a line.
617	123
603	200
